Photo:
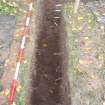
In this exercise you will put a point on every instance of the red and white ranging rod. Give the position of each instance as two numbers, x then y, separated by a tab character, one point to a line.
20	55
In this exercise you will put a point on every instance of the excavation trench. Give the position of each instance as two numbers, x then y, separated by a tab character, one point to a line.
49	82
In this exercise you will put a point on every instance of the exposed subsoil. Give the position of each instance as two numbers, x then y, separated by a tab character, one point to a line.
49	82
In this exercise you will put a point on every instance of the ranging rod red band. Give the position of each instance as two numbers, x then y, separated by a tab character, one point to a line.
12	91
26	31
20	55
29	14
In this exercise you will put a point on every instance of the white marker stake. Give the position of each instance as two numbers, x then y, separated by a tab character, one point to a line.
76	6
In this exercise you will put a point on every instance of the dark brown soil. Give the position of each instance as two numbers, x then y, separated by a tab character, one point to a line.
49	80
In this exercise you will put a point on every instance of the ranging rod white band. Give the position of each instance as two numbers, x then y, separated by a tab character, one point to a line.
58	5
23	42
27	21
30	7
17	71
57	10
57	17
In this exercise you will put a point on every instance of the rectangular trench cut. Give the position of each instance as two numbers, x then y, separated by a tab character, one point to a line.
50	84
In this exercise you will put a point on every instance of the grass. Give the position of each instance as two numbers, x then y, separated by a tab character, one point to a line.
81	89
7	8
23	82
71	45
73	23
0	85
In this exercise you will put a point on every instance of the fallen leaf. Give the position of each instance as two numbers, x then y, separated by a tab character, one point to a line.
74	29
80	28
85	62
44	45
89	27
102	27
4	1
20	33
103	103
13	103
87	50
86	38
2	93
89	21
78	68
30	39
100	57
11	63
25	61
15	4
18	89
6	92
93	77
80	18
